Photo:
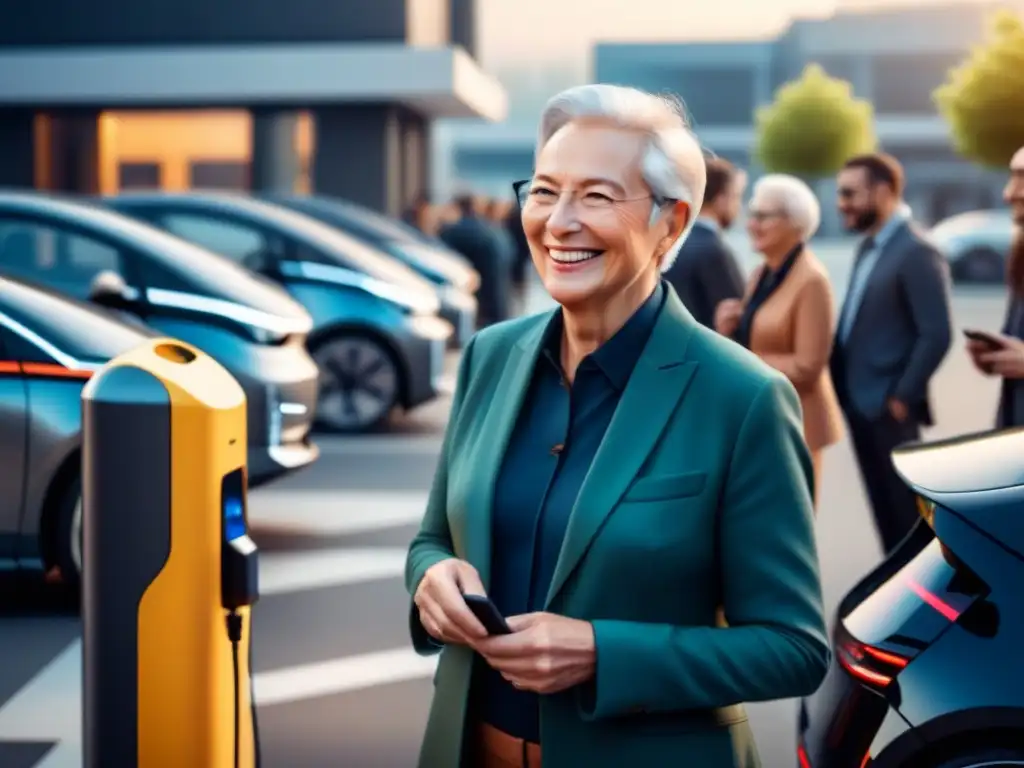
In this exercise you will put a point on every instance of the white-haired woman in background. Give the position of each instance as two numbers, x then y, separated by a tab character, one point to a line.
614	477
786	316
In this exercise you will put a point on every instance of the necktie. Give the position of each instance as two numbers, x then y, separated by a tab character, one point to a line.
856	288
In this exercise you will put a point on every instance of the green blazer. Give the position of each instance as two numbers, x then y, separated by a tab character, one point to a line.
699	499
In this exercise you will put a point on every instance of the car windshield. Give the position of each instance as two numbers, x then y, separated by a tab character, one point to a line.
85	332
342	248
205	271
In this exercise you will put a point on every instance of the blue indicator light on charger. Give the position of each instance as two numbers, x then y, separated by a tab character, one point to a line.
234	518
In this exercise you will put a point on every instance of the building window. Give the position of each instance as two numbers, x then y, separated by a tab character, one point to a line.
138	176
225	175
903	84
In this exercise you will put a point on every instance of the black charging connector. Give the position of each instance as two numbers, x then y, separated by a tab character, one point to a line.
239	588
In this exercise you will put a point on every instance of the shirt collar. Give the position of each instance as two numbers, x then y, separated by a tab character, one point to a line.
617	357
899	217
707	223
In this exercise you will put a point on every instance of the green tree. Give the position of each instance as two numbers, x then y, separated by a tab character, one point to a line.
982	100
814	125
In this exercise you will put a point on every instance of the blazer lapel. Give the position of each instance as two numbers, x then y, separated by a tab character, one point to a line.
493	439
660	379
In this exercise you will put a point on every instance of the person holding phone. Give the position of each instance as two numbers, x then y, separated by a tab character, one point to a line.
1003	354
627	489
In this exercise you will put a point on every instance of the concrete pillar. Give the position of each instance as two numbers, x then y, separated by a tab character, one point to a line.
17	148
275	158
415	157
70	145
358	155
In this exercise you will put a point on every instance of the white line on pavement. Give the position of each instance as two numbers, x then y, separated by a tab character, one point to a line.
376	445
351	673
48	708
287	572
335	513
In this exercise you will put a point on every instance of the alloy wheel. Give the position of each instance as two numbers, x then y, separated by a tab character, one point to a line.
76	535
359	383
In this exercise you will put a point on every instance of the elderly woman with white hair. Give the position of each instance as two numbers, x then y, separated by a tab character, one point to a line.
618	548
787	315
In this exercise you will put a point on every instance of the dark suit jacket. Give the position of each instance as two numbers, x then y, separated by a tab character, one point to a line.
668	531
705	273
901	332
477	241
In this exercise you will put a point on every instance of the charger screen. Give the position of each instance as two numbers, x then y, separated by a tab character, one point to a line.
233	506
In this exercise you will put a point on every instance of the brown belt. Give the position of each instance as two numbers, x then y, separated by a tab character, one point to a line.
497	749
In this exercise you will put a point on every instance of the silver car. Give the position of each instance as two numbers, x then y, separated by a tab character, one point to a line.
377	337
975	244
250	326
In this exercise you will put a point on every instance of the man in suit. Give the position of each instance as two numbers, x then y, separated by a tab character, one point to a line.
705	272
894	330
473	237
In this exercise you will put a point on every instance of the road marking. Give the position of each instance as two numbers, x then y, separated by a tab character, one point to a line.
286	572
337	676
48	707
335	513
376	445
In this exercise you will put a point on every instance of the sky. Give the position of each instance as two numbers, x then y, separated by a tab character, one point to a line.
526	34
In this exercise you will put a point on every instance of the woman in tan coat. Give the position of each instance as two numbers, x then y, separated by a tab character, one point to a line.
786	315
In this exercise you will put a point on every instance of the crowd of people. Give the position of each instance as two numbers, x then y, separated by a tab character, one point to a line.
488	232
628	481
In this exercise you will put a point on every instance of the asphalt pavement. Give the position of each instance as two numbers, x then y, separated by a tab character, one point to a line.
336	681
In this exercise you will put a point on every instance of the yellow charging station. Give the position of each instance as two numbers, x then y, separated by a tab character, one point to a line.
169	570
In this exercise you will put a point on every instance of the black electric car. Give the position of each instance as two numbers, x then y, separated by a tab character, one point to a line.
928	668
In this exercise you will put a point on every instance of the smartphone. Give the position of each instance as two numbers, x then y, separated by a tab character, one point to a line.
488	614
992	342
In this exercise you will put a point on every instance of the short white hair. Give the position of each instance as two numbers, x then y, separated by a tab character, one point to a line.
673	163
795	199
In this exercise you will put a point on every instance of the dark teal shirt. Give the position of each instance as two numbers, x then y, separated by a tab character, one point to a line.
549	454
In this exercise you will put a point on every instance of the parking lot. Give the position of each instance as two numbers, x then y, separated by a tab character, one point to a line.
336	681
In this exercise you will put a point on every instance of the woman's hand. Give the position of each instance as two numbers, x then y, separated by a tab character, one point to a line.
1007	362
727	316
443	611
545	653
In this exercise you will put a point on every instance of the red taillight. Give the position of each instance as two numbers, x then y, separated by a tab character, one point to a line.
801	755
933	600
870	665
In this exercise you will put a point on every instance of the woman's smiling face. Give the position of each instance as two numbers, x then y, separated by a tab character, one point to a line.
587	214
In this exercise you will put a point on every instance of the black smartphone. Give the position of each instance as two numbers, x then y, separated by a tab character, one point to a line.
992	342
488	614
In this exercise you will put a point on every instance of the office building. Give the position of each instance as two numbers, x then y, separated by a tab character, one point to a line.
894	57
335	97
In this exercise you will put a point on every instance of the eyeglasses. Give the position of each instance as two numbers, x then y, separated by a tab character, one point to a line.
539	196
761	216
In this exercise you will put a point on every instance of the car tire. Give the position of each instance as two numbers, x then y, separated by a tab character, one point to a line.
984	757
980	266
360	383
67	546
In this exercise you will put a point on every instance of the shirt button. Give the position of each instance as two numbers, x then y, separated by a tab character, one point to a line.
557	448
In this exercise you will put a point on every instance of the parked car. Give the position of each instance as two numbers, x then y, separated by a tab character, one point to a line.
249	325
50	346
975	245
927	669
379	343
455	278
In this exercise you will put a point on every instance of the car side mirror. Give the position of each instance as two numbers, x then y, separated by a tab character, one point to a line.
108	289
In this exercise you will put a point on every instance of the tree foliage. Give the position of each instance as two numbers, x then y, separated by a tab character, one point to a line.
814	125
982	100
